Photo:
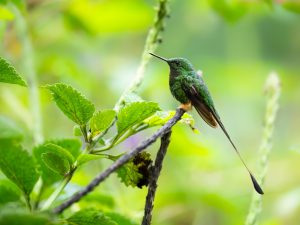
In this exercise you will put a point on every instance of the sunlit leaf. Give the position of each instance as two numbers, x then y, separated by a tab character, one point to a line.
71	145
8	74
18	166
135	113
72	103
162	117
101	121
90	217
9	130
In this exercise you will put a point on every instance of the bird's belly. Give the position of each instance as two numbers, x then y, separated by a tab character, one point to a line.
179	93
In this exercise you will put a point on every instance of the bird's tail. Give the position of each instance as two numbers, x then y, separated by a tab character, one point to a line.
254	181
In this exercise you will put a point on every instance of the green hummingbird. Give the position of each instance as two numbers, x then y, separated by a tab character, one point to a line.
188	87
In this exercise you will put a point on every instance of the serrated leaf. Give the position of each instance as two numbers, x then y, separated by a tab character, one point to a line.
18	166
135	173
8	192
162	117
90	217
120	219
84	158
63	148
9	130
8	74
135	113
72	103
101	121
55	163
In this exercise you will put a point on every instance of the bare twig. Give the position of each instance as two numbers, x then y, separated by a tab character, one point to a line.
272	90
155	172
121	161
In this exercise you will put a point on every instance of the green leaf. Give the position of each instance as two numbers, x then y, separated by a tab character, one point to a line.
13	217
162	117
65	149
54	162
8	192
135	113
101	121
57	159
8	74
18	166
90	217
135	173
72	103
72	145
120	219
9	130
84	158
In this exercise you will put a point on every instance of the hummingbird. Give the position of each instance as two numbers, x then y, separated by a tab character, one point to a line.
188	87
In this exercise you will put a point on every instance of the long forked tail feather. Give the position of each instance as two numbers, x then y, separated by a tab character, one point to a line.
254	181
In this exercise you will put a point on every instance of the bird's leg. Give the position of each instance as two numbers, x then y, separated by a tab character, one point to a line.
186	106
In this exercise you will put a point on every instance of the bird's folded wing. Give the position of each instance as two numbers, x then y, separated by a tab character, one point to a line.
197	101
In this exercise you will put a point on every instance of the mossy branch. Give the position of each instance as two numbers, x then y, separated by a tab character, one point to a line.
272	90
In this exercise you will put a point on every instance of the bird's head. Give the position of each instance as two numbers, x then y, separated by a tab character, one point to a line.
177	63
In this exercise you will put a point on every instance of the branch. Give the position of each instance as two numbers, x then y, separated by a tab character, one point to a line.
272	90
121	161
155	172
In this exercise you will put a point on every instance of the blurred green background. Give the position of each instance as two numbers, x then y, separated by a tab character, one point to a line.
96	47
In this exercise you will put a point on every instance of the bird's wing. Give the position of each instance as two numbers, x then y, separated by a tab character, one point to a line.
197	101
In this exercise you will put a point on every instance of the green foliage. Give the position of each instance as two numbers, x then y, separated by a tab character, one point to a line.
135	113
72	103
8	192
90	217
13	217
136	172
120	219
65	149
8	74
84	158
18	166
9	130
101	121
57	159
5	13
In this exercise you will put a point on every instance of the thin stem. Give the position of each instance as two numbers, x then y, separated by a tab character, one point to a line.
152	41
29	70
27	200
272	90
121	161
155	172
57	192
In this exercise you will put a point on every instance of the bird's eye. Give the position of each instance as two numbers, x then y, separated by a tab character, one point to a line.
177	63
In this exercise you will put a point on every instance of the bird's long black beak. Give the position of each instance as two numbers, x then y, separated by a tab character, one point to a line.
157	56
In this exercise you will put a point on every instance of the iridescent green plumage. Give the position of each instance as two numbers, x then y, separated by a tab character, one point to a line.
188	87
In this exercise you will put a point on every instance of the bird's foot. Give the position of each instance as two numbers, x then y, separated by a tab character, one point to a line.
186	106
